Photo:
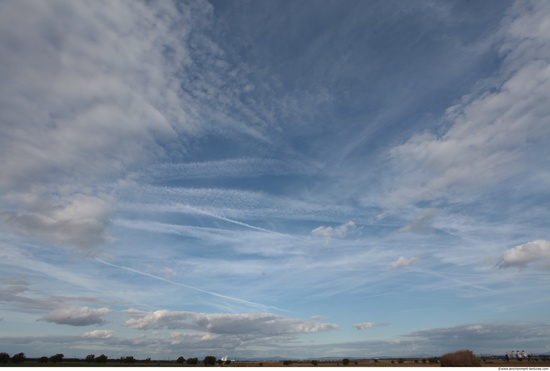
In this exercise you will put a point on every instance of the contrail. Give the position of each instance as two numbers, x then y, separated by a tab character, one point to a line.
250	303
453	279
240	223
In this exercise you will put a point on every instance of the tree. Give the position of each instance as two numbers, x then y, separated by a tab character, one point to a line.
90	358
209	361
180	360
128	359
345	361
56	358
192	361
18	358
4	357
43	359
314	362
101	359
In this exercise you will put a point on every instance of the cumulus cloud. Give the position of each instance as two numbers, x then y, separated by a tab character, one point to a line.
98	334
522	255
421	224
259	323
402	262
340	231
77	316
367	325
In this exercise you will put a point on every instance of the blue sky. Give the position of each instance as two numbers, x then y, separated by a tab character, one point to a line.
274	178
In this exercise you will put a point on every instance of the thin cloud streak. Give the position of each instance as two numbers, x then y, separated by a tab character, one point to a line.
462	283
242	301
203	212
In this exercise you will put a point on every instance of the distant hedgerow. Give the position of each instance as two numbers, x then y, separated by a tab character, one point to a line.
461	358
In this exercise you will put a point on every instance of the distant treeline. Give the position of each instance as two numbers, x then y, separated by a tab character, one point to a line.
103	359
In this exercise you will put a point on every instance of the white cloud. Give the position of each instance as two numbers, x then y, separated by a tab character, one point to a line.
340	231
367	325
402	262
88	91
77	316
259	323
94	89
522	255
98	334
492	134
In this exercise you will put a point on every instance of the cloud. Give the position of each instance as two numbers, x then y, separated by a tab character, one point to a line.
489	338
340	231
232	168
421	224
77	316
260	323
76	221
89	90
367	325
520	256
402	262
485	337
496	132
100	85
98	334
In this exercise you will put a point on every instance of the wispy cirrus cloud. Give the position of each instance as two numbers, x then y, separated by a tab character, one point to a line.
232	168
97	92
109	95
487	133
232	203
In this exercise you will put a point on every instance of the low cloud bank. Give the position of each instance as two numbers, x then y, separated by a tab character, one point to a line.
256	323
77	316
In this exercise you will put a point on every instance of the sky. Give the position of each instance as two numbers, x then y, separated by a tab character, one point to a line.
257	179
